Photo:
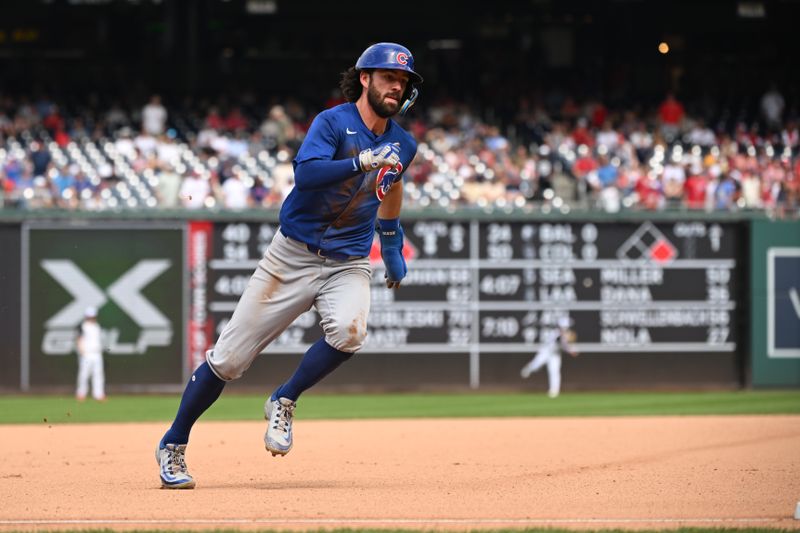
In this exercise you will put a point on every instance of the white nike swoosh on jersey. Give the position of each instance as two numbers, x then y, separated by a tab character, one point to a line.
349	132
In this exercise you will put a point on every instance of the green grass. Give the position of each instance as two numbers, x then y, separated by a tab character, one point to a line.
144	408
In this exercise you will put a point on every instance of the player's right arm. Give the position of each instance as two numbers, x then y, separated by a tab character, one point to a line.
79	341
315	168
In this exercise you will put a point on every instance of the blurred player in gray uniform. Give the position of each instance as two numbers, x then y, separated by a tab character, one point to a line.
348	179
90	358
550	354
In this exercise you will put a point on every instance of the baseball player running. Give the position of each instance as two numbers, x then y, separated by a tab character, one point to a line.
550	354
348	175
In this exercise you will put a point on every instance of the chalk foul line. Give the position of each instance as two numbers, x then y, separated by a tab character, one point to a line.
367	521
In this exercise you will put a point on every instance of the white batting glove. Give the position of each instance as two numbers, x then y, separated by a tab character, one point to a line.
385	155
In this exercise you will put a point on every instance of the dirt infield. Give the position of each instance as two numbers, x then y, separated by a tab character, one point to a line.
581	473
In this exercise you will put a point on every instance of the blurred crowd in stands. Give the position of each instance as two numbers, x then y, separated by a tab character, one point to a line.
576	155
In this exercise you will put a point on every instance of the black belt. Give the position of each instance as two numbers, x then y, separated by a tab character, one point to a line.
331	255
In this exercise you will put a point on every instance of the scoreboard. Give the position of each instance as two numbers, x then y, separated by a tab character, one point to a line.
501	286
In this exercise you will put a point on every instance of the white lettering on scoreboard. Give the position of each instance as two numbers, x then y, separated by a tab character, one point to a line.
503	286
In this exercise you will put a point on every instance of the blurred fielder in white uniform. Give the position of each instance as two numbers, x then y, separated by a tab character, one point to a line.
90	358
550	354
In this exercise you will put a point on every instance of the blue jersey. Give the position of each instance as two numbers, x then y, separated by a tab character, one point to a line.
341	217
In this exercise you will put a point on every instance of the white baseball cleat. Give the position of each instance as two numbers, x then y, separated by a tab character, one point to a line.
525	373
279	414
174	474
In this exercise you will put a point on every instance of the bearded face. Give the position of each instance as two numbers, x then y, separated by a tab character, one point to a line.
385	91
383	104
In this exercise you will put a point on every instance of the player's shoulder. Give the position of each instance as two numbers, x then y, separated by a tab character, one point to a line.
336	113
327	122
330	116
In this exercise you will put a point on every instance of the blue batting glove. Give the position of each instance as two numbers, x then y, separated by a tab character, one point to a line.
391	235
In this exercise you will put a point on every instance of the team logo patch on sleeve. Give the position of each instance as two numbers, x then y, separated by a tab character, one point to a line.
386	178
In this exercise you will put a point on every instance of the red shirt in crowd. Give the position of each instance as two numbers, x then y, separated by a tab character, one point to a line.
53	122
214	121
62	138
649	191
794	177
333	101
695	191
584	165
599	115
671	111
235	121
582	135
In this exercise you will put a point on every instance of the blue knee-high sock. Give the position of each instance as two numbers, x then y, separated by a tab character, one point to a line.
319	361
203	389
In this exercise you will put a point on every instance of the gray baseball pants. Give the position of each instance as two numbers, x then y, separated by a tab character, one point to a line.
287	282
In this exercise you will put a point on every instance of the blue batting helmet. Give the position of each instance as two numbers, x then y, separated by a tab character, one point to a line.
389	56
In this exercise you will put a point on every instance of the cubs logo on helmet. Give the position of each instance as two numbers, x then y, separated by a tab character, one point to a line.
390	56
386	178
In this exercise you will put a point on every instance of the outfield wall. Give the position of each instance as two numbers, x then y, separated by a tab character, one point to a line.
656	301
10	306
775	303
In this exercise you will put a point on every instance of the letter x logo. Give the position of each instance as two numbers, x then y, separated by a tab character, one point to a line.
124	292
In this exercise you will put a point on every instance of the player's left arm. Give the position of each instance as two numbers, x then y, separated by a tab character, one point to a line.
391	235
566	340
392	202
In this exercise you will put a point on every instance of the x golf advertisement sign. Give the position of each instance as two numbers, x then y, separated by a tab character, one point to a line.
132	276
